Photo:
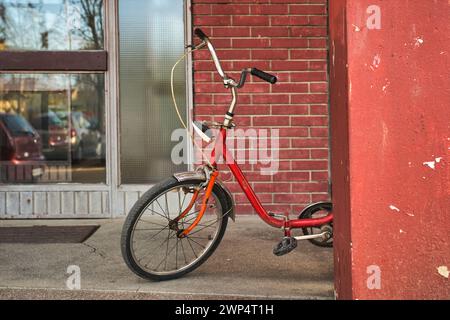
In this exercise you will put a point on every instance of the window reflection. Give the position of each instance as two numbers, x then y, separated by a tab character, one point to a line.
52	128
51	25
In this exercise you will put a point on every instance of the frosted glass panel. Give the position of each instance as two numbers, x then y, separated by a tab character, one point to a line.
151	41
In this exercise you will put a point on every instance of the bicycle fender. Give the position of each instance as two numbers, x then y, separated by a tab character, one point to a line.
220	187
325	204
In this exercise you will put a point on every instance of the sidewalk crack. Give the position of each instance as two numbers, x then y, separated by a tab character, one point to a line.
95	250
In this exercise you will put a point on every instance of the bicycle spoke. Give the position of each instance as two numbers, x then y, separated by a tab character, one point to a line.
193	251
167	248
159	214
157	224
148	229
182	249
176	255
164	212
151	251
211	224
167	206
196	242
165	259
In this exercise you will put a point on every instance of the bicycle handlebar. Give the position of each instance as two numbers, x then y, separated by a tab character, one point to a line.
227	81
264	75
199	33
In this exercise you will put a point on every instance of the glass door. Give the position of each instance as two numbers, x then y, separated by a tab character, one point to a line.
151	40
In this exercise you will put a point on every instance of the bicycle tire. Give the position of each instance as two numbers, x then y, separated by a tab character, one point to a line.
137	210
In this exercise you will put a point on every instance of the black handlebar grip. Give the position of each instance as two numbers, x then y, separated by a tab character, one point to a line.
199	33
264	75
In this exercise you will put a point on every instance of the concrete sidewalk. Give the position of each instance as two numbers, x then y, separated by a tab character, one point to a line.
243	267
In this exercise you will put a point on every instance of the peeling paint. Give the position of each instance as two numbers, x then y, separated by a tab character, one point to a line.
443	271
388	83
356	28
376	62
419	41
394	208
432	164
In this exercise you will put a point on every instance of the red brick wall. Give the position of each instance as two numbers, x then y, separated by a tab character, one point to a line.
287	38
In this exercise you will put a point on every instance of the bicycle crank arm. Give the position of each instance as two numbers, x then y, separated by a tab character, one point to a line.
325	235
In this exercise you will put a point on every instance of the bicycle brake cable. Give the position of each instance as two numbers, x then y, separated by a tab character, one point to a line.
176	105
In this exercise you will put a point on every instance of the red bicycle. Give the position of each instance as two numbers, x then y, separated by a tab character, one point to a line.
176	225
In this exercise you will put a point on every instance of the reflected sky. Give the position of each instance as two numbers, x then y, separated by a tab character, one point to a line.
51	24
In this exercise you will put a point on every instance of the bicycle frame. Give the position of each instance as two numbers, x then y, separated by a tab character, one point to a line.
275	220
287	224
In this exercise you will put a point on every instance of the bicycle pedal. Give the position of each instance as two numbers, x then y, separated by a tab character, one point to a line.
286	245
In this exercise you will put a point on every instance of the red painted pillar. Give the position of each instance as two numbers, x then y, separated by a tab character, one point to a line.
390	127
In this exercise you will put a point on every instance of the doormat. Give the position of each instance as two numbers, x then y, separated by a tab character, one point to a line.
47	234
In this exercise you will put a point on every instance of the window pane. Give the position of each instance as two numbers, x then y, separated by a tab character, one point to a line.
151	41
51	25
52	128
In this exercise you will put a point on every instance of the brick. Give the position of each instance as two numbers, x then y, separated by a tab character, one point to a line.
269	32
271	121
309	98
290	87
212	20
270	98
318	20
309	121
251	43
262	9
294	154
309	31
293	132
310	143
292	198
308	54
270	54
289	109
320	197
290	43
309	165
250	20
319	176
231	32
292	176
308	76
307	9
318	110
290	65
319	87
229	9
310	187
319	132
289	20
272	187
319	154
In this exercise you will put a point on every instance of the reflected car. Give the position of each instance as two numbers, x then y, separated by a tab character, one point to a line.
21	155
54	134
85	136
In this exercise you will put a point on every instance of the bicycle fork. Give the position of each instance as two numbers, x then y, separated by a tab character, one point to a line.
184	232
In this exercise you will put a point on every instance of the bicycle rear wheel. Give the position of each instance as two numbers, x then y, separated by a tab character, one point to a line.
150	244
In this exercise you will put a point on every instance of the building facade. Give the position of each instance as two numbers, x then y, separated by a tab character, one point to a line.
86	119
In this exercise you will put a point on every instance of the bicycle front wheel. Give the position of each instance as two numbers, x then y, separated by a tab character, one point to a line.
150	244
